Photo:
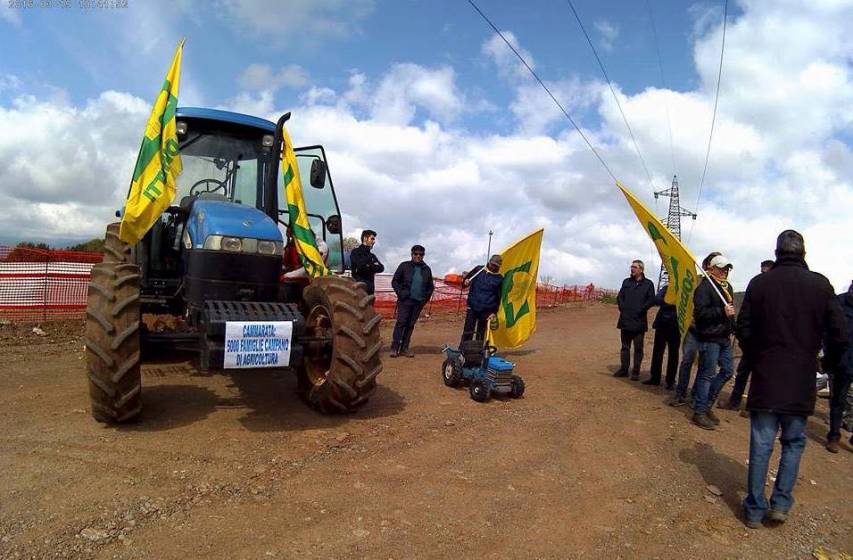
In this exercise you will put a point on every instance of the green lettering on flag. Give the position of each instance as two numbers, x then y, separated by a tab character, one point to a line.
655	233
512	316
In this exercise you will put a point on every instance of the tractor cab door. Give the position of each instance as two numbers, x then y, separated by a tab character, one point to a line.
324	215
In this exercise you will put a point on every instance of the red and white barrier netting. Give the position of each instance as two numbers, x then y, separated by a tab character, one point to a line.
41	285
450	297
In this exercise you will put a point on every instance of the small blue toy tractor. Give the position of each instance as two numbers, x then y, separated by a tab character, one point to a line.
477	364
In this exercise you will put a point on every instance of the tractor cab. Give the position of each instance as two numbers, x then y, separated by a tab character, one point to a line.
224	234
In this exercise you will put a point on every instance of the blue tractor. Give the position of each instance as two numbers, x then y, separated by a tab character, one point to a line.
478	365
219	270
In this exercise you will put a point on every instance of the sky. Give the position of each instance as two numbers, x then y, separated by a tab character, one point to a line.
435	133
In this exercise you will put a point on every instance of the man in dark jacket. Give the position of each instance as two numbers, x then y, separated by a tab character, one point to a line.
713	312
413	285
841	377
667	337
636	297
484	296
786	315
364	263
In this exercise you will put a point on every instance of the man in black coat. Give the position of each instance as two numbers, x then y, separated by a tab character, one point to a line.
667	337
364	263
636	297
413	285
484	296
786	315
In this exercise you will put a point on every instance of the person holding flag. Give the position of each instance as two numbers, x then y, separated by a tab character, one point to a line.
158	163
516	316
714	330
484	295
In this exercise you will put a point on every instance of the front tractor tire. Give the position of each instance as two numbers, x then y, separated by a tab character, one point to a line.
339	375
115	250
112	343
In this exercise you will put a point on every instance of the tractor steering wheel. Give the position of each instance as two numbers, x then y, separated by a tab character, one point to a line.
195	188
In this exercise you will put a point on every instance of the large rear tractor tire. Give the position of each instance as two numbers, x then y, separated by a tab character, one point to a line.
115	250
339	376
112	343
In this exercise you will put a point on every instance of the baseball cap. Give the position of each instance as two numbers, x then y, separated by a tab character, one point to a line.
721	262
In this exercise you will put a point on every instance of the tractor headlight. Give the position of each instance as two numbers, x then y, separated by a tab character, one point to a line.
268	248
213	243
233	244
247	245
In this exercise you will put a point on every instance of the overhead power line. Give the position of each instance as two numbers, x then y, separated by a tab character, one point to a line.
612	91
714	116
548	91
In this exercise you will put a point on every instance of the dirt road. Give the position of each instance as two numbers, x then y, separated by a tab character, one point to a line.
235	466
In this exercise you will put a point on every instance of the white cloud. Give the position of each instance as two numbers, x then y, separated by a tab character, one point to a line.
402	165
608	34
508	64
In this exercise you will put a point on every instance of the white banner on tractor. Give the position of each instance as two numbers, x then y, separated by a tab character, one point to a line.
257	344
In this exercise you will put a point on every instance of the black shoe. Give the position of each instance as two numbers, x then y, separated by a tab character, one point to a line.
777	516
702	420
620	373
393	353
670	387
678	400
635	376
752	523
651	382
710	414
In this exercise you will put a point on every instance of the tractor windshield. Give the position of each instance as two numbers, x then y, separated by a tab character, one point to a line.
223	164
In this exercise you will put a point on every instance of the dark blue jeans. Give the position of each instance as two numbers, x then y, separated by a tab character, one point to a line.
709	380
408	311
689	349
763	427
839	386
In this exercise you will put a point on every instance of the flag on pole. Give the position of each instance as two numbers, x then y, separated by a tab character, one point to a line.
158	163
517	312
303	236
680	264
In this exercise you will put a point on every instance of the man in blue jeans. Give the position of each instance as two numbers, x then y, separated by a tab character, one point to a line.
786	315
713	313
689	351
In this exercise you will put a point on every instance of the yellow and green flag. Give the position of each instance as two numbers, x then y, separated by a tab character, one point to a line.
303	236
159	162
680	264
517	312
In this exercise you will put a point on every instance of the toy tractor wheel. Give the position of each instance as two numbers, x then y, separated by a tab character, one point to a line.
517	388
115	250
341	362
451	373
480	390
112	343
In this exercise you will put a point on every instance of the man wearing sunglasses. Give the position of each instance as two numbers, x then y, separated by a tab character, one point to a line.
413	285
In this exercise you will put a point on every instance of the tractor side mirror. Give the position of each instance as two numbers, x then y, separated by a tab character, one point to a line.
318	174
333	224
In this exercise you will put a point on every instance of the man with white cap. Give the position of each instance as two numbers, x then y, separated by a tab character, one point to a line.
714	312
